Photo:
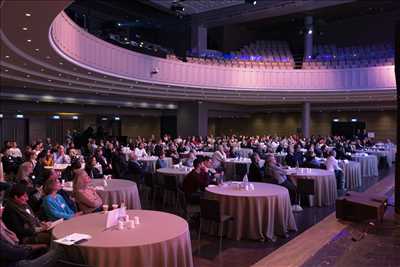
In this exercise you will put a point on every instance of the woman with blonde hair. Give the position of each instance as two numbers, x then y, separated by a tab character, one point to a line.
24	172
85	196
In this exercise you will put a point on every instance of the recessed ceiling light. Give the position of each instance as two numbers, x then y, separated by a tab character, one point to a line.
60	63
6	70
49	81
75	117
24	28
29	40
37	49
27	76
28	14
7	56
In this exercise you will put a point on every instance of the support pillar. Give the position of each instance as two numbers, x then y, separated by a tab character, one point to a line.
199	38
192	119
306	120
308	37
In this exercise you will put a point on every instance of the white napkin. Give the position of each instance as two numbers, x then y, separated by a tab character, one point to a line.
72	239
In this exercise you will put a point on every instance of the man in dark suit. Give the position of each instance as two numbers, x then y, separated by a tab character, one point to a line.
256	172
135	169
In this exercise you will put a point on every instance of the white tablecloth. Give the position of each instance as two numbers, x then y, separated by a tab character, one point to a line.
180	173
161	239
263	213
352	174
230	166
388	155
369	164
244	152
150	163
324	184
117	191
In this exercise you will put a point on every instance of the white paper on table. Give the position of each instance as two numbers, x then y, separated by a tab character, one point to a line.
113	217
72	239
53	224
99	188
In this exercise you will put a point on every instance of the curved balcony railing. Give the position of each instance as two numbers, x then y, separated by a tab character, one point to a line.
86	50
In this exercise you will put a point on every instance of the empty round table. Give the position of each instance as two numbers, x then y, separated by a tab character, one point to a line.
116	191
150	162
324	183
179	173
369	164
161	239
352	173
262	213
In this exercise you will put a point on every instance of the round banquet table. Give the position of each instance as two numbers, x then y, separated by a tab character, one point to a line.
260	214
58	166
117	191
324	183
150	163
352	173
369	164
204	154
161	239
230	166
380	154
244	152
180	173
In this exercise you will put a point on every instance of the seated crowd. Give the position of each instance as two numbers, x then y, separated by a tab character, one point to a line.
34	196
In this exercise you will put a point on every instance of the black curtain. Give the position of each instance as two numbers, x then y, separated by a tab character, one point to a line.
397	70
14	129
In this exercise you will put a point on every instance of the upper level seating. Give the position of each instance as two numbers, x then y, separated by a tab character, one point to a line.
261	54
332	57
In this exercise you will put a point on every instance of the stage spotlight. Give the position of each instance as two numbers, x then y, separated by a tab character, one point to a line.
176	7
251	2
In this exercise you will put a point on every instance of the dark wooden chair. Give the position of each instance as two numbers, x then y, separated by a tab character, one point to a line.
210	210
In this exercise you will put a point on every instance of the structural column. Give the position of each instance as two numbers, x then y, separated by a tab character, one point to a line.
192	119
306	122
199	38
308	37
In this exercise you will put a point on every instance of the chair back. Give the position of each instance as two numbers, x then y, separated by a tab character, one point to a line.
170	183
241	171
210	210
305	186
149	180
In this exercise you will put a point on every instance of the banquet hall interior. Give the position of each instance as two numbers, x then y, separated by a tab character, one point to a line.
202	133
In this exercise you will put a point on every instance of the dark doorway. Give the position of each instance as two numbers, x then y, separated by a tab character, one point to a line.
347	129
168	125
